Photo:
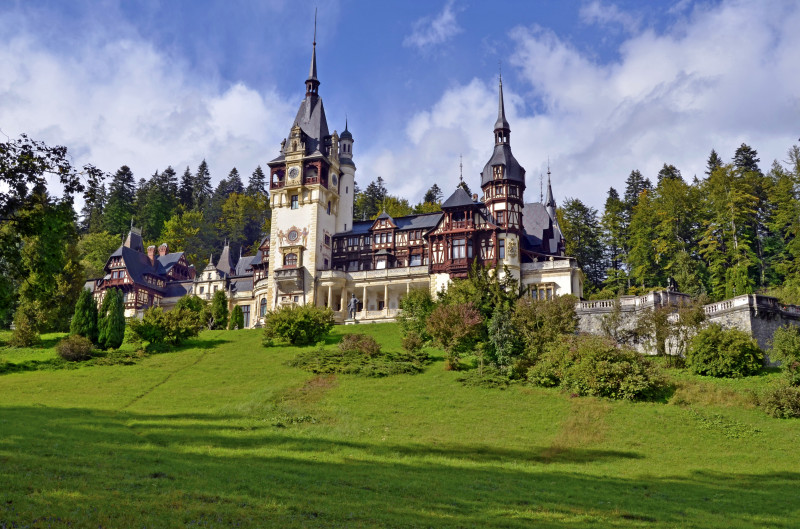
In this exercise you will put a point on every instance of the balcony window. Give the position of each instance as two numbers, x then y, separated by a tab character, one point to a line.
416	260
457	251
294	202
290	259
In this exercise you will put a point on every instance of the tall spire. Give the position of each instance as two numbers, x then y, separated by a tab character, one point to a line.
502	129
550	202
312	83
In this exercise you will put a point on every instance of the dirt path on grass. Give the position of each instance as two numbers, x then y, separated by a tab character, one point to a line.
169	375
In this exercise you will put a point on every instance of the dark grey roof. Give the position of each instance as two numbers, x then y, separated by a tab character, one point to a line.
245	264
532	243
346	133
359	228
312	71
134	240
138	265
225	263
459	198
242	285
409	222
89	285
346	161
502	156
166	262
311	119
549	201
277	160
176	289
384	215
535	220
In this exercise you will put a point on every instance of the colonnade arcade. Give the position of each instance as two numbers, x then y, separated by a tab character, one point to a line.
378	301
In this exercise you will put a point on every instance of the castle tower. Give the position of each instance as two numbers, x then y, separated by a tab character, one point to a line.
503	186
347	181
305	187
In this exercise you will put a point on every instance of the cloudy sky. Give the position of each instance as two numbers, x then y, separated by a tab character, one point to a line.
597	87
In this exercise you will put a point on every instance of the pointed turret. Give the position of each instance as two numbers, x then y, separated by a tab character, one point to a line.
312	83
502	130
502	165
225	263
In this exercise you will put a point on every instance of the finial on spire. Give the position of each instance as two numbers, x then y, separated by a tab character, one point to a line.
315	27
312	83
502	129
541	188
461	168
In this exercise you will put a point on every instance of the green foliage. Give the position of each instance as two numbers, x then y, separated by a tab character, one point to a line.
120	207
595	366
367	203
25	328
415	309
412	342
94	249
540	323
786	349
84	321
486	288
352	362
237	318
361	344
111	320
298	324
781	402
158	327
488	377
581	229
719	352
503	346
219	310
456	328
182	233
74	348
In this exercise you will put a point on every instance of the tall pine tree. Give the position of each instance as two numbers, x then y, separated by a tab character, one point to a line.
120	206
201	190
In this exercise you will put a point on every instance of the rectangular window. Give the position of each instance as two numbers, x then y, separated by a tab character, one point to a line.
469	249
294	202
380	264
457	250
246	313
416	260
327	240
202	289
501	217
501	248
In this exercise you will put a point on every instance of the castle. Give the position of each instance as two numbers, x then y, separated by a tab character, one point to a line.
316	253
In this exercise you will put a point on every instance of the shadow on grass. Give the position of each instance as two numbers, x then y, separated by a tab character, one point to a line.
87	468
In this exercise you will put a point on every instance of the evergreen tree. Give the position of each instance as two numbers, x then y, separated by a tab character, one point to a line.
746	159
182	233
669	171
159	201
185	192
120	205
258	183
94	201
237	318
641	235
84	321
219	310
368	203
635	184
94	249
463	185
235	182
433	195
201	191
614	237
714	162
582	233
111	320
395	207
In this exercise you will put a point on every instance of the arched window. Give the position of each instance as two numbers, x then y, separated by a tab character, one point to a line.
290	259
263	307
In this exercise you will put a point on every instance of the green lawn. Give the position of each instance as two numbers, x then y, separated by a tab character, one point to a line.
222	433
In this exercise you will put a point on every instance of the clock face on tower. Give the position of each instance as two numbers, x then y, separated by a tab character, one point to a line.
294	172
292	235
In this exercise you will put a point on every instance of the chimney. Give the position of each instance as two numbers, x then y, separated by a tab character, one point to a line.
151	254
163	249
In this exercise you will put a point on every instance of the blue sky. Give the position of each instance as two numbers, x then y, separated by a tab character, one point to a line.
597	87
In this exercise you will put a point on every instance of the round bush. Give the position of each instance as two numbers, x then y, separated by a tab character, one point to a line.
74	348
783	402
361	344
719	352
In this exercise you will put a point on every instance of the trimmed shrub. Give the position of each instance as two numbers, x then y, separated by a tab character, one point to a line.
719	352
219	310
324	361
26	332
158	327
111	320
74	348
596	366
237	318
298	324
783	402
84	321
786	348
361	344
456	328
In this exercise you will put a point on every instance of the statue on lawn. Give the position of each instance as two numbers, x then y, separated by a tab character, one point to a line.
352	307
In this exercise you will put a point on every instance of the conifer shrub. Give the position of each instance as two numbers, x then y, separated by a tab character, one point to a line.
595	366
237	318
26	332
728	353
297	324
74	348
782	402
361	344
219	310
111	320
84	320
412	342
329	361
786	349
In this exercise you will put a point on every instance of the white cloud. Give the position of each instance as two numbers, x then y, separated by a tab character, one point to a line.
719	77
597	12
429	31
115	101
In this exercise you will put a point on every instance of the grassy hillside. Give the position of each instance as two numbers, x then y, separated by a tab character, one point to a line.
223	433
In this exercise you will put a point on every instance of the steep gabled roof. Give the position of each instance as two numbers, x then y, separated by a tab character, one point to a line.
459	198
166	262
502	156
